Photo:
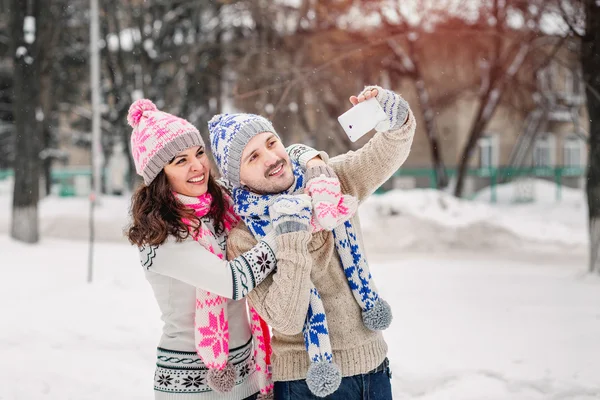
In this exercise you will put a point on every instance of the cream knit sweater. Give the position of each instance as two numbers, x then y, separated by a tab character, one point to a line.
282	298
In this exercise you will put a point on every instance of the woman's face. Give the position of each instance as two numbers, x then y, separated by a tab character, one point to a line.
188	172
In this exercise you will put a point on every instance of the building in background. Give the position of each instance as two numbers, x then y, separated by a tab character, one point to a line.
539	126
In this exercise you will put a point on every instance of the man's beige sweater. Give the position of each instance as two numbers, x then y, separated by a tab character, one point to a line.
282	299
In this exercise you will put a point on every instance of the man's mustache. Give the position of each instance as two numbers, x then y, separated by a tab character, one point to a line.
273	167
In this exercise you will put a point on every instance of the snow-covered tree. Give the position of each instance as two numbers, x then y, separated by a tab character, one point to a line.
171	52
28	115
582	18
590	62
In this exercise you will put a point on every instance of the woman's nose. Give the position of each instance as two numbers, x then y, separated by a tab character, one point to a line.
197	165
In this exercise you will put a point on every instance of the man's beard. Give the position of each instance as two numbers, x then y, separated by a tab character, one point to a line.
268	187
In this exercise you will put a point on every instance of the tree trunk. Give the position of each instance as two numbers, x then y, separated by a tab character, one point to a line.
49	46
411	66
474	135
489	103
441	175
25	16
46	104
590	61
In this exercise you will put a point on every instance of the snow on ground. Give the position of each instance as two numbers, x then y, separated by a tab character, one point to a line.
414	220
490	301
481	327
466	325
426	219
65	339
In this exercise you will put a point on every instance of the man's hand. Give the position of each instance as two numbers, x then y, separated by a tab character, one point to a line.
315	162
363	96
290	213
395	107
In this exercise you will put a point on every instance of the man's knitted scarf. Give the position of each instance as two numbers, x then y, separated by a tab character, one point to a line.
323	376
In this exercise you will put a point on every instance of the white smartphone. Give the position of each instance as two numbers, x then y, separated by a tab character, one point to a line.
362	118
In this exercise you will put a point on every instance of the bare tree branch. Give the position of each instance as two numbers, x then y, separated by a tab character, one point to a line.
567	20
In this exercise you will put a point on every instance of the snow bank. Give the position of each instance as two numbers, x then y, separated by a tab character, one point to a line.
426	219
6	186
419	219
543	192
69	217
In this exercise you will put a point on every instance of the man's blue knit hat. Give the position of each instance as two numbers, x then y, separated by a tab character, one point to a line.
229	135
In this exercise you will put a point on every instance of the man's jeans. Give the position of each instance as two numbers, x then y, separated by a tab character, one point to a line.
374	385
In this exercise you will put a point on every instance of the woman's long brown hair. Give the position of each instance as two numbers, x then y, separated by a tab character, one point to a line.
156	213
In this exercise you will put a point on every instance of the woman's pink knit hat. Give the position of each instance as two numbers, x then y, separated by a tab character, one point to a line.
157	137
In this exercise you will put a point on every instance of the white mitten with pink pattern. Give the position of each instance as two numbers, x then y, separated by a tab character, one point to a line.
330	207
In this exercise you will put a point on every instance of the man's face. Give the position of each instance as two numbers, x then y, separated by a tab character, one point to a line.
265	167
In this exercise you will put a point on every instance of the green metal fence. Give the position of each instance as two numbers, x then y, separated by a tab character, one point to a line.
488	177
64	178
493	176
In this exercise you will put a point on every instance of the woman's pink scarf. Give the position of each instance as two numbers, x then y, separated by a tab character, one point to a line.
211	322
